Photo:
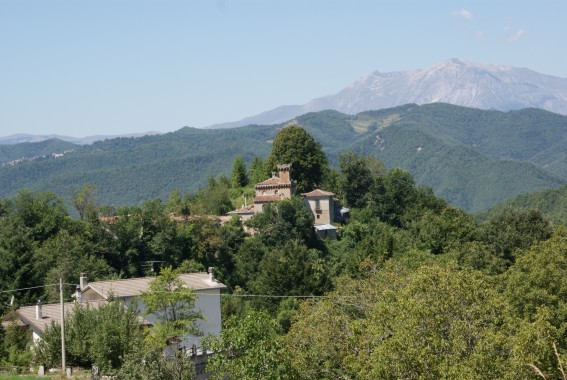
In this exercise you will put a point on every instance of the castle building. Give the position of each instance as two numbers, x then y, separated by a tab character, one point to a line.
275	188
321	204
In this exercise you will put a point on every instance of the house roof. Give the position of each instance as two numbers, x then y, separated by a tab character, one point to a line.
118	288
135	286
270	181
318	193
51	312
267	198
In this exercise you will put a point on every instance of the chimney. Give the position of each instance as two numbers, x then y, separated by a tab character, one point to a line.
212	274
38	313
78	294
83	281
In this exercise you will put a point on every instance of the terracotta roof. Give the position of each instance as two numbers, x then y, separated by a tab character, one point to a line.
272	181
267	198
318	193
134	286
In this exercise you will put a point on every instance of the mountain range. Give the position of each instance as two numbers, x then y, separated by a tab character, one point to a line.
473	158
19	138
454	81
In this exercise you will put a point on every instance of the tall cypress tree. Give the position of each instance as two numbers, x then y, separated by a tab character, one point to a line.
239	176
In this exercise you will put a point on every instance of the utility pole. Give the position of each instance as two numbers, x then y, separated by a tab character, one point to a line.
63	364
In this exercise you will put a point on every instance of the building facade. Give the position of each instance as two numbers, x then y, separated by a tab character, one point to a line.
128	291
320	203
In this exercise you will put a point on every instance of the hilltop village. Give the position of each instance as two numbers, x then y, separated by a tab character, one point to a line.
351	271
321	204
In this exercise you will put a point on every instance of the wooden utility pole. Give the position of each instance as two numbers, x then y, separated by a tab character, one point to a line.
63	364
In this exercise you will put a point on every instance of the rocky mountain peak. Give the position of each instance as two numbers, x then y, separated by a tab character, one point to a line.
454	81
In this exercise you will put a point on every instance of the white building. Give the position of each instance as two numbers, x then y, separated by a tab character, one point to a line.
95	294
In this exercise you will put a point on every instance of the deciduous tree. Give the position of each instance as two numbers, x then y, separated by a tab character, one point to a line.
248	349
355	179
172	304
294	145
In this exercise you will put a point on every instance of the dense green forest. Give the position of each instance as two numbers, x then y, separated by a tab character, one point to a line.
33	151
551	202
414	288
472	158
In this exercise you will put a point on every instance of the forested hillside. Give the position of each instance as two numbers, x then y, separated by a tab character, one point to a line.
474	159
551	202
413	287
11	154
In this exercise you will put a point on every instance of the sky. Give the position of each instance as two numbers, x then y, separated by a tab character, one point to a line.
111	67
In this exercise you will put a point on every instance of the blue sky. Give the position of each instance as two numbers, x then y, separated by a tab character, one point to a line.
81	68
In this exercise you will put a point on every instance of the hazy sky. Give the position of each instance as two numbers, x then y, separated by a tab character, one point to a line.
80	68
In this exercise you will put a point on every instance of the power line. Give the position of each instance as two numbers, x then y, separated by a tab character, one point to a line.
32	287
35	287
196	293
265	295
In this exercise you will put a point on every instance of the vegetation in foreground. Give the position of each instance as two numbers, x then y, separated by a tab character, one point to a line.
413	289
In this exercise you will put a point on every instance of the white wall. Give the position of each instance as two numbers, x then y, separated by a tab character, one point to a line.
207	302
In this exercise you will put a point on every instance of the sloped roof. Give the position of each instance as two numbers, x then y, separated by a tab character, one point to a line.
118	288
267	198
318	193
51	312
273	181
135	286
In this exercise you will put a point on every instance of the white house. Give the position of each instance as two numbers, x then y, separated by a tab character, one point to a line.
206	287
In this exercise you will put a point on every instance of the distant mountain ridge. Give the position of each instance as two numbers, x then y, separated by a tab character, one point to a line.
454	81
473	158
29	138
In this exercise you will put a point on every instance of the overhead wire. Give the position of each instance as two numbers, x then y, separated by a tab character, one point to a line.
31	287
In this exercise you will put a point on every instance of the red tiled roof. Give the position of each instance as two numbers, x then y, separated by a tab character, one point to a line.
273	181
267	198
318	193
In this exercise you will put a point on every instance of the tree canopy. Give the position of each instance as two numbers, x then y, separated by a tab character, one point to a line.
173	305
413	287
294	145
